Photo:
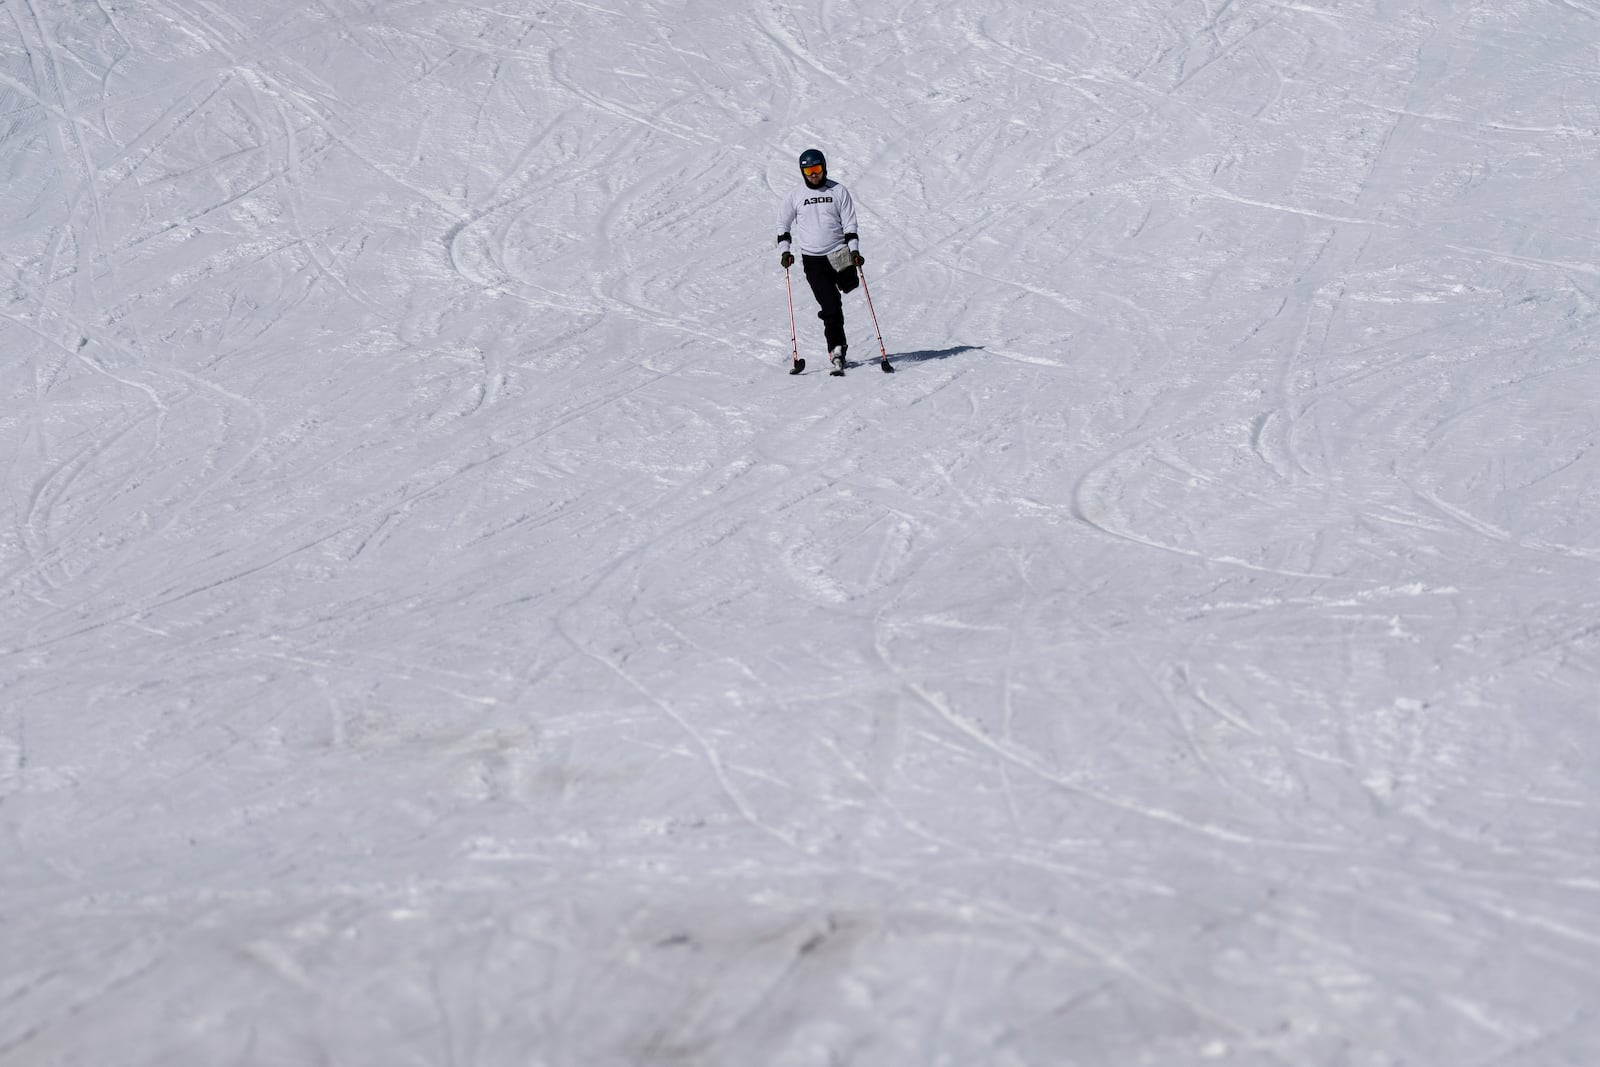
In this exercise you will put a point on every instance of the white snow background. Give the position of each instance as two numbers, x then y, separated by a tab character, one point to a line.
435	630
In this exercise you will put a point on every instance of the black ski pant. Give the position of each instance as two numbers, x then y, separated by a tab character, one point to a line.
826	285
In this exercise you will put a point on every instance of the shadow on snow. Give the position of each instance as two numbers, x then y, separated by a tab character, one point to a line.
933	353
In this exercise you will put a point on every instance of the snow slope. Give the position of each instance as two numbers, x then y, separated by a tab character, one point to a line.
434	630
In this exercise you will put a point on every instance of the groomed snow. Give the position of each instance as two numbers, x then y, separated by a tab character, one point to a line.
434	630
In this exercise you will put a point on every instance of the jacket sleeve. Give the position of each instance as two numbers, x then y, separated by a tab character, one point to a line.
786	216
847	219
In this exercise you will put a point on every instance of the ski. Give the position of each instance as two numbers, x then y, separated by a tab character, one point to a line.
838	372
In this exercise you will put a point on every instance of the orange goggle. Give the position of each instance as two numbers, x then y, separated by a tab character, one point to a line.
813	171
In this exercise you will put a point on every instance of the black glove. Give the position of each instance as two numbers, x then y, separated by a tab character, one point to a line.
786	261
857	259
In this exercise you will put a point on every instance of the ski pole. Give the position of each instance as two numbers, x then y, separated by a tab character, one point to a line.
884	352
796	364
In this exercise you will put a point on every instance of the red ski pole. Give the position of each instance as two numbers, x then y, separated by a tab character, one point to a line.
796	364
884	352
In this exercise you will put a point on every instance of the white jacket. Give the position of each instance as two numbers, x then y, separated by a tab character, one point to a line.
818	221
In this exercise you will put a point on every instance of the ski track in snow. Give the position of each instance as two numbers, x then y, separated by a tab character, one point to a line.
433	628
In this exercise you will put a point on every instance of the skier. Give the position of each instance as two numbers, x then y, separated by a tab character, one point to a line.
820	217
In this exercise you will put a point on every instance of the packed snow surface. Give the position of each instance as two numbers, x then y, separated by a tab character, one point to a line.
435	630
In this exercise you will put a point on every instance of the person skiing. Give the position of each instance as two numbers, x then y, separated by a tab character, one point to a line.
819	217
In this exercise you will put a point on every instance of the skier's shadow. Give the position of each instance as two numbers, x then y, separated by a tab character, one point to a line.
933	353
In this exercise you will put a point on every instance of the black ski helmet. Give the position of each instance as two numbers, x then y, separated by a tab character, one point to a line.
813	157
